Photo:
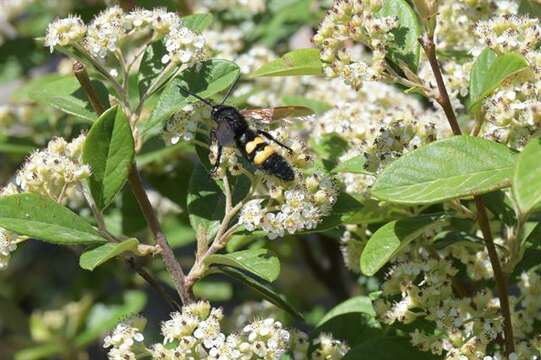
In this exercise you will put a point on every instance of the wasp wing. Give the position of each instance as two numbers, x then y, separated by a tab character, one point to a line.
224	134
268	115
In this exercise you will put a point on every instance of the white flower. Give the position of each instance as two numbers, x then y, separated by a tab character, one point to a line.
251	215
328	348
122	339
184	46
7	246
64	32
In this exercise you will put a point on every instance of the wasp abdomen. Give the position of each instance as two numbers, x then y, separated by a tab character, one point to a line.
263	155
276	165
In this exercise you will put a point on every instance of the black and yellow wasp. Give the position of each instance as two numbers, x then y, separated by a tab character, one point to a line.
233	129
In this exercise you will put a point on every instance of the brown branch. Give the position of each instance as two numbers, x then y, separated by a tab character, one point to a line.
429	47
81	75
443	97
171	263
136	184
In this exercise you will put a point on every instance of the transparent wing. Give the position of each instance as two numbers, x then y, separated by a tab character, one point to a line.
268	115
224	134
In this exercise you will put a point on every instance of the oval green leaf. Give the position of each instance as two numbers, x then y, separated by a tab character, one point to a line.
356	305
490	71
255	261
406	47
43	219
206	202
66	95
389	239
109	150
294	63
91	259
205	79
527	177
447	169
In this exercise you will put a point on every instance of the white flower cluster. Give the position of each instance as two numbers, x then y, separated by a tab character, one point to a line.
354	22
195	333
183	124
55	171
381	124
467	326
290	210
328	348
110	29
7	246
64	32
352	243
123	341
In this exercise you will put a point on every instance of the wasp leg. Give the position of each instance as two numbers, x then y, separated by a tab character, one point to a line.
270	137
212	140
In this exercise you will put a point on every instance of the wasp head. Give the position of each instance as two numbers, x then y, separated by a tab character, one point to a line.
224	112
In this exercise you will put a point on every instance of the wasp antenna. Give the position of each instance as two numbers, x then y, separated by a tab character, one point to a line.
230	90
187	92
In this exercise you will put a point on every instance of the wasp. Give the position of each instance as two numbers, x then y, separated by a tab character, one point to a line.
232	128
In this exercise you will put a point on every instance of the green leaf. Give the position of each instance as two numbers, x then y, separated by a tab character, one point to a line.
103	318
197	22
527	178
451	168
480	72
151	65
91	259
294	63
354	165
406	47
392	237
387	348
255	261
41	218
358	304
206	202
109	150
263	289
22	94
316	106
66	95
490	71
530	8
204	79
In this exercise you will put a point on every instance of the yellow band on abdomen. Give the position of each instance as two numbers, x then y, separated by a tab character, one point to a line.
263	155
250	146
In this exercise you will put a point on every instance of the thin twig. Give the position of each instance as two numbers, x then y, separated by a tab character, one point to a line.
130	260
429	47
443	97
223	235
172	265
81	75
